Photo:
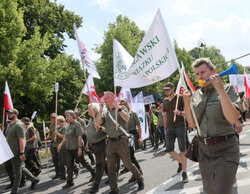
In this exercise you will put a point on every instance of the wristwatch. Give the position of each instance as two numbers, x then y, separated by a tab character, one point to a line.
21	153
100	127
119	110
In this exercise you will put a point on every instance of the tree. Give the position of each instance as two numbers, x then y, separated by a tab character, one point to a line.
129	35
52	19
31	43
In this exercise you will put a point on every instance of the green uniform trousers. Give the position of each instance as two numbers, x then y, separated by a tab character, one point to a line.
218	165
119	147
18	169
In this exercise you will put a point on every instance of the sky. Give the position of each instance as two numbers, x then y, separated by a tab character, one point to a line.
224	24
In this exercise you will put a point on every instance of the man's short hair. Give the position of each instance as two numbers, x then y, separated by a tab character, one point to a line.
53	114
61	118
198	62
71	112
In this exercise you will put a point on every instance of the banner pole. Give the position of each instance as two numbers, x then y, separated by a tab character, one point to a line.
78	101
86	81
116	125
176	105
3	119
46	147
56	116
191	105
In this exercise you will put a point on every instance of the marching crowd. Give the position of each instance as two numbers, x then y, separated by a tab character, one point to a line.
113	134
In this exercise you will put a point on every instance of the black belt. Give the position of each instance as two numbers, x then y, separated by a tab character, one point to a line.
215	140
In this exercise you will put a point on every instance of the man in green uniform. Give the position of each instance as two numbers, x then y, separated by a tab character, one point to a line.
84	138
53	148
15	136
117	140
62	128
74	151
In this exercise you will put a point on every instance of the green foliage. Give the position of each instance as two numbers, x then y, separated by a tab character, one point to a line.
31	59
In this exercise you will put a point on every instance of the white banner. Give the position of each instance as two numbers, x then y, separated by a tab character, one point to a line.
5	151
154	61
149	99
139	107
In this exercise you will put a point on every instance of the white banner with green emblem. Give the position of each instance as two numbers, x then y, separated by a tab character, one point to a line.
154	61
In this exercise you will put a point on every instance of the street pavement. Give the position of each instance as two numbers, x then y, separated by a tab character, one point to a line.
159	171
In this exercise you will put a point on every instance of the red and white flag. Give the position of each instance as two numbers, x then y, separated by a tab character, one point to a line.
88	64
7	98
91	93
189	82
247	89
180	86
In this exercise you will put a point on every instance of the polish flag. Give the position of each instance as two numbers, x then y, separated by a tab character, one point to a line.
189	82
7	98
247	89
92	93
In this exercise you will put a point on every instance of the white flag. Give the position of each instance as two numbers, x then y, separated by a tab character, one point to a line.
180	86
56	87
33	115
154	61
139	107
5	151
88	64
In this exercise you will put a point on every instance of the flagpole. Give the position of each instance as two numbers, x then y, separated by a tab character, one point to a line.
80	97
3	119
176	105
46	147
116	126
191	105
56	116
86	80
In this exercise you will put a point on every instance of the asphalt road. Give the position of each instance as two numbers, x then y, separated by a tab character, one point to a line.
159	171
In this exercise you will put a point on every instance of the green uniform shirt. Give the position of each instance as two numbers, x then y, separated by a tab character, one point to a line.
52	133
62	130
169	107
75	129
214	123
83	123
160	119
133	121
94	136
111	126
13	132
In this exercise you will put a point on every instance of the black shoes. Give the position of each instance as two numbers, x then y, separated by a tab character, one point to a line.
179	168
132	179
125	170
184	177
94	189
34	183
68	185
141	184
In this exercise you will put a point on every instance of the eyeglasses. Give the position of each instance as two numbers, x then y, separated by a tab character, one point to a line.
10	113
